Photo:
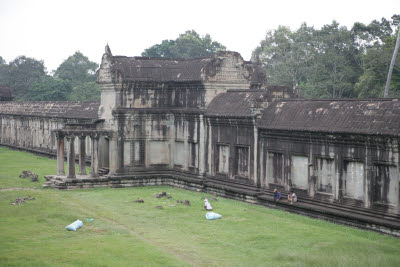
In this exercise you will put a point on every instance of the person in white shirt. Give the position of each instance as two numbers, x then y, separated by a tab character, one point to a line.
292	197
207	204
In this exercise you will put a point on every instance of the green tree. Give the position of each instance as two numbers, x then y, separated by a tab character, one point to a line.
88	91
50	89
286	55
336	66
392	63
80	73
160	50
77	69
23	72
375	67
377	56
323	63
188	45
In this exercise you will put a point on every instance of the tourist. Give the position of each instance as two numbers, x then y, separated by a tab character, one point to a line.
277	195
207	204
292	197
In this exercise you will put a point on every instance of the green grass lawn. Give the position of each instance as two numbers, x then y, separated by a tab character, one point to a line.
129	234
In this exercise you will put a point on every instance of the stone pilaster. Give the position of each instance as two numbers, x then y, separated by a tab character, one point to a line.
171	141
255	155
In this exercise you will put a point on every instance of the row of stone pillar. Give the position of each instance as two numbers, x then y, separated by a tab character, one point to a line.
82	156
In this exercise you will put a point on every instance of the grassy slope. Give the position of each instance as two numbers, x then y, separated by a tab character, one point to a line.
124	233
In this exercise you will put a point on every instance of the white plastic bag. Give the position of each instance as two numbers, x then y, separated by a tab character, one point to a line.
75	225
213	216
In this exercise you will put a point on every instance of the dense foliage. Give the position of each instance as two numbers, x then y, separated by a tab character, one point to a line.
74	79
188	45
333	61
21	74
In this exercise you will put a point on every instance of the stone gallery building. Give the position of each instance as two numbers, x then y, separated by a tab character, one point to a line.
212	124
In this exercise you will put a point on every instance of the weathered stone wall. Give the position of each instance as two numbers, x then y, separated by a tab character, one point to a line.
227	72
159	140
30	125
349	169
33	133
231	144
163	95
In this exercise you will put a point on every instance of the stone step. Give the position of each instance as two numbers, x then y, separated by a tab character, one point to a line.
348	207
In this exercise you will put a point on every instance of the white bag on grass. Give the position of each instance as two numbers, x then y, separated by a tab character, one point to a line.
212	216
75	225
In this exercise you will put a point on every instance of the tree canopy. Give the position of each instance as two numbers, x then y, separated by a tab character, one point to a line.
74	79
22	73
188	45
332	61
80	73
50	89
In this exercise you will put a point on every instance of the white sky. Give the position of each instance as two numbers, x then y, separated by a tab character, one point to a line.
52	30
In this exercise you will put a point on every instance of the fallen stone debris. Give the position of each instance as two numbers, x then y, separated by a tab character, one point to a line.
28	174
138	200
161	195
21	200
185	202
159	207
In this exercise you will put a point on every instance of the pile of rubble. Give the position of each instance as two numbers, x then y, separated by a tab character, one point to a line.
161	195
138	200
19	200
28	174
186	202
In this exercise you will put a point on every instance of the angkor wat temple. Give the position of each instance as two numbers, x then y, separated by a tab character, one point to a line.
212	124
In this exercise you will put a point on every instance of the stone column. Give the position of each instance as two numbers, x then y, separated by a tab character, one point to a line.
82	155
95	156
210	151
201	147
60	154
71	156
114	158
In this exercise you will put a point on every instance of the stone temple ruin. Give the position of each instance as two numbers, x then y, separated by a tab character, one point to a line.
212	124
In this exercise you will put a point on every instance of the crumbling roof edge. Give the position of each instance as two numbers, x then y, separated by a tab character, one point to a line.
226	116
340	99
325	132
219	53
163	58
47	116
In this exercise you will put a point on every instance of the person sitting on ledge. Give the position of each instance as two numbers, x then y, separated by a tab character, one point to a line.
292	197
207	204
277	195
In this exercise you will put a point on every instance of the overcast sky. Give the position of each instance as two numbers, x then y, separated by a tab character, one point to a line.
52	30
